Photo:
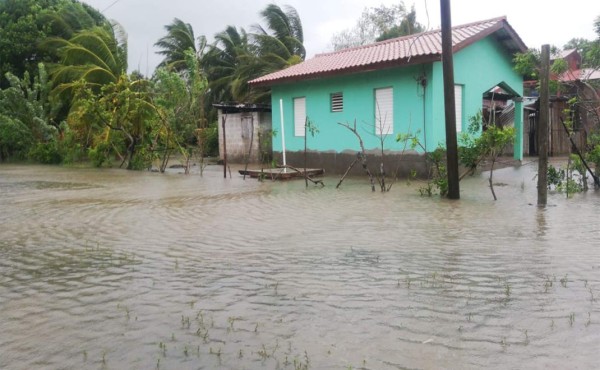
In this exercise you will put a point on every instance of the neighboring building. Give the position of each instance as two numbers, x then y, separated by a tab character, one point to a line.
392	87
582	83
247	132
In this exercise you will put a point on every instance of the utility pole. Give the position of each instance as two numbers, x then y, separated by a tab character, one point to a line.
449	102
542	185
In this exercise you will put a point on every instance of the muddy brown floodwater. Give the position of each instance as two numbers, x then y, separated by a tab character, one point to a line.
134	270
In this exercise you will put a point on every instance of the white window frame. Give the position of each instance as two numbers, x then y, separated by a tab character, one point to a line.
299	116
384	111
458	106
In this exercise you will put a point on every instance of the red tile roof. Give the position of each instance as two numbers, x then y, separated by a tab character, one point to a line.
417	48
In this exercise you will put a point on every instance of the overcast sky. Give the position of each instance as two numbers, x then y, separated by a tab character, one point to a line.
536	21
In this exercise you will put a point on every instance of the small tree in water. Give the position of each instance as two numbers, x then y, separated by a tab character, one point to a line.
490	144
437	173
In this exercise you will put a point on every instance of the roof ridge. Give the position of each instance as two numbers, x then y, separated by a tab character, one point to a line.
424	47
406	37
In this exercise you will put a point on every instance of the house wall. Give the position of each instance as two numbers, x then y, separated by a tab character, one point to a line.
359	106
239	135
478	67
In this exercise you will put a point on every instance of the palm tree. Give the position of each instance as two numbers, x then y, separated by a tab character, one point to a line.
283	46
71	18
237	57
179	39
285	27
97	56
225	62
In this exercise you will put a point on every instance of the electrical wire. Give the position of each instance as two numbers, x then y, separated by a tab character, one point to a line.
110	6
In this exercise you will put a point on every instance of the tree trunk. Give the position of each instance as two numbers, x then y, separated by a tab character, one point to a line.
131	150
491	178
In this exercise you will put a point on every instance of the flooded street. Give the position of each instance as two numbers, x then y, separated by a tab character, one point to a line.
125	270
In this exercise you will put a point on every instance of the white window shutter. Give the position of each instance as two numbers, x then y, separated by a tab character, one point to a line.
299	116
458	101
384	111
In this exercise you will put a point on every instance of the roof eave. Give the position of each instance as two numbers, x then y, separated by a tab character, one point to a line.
521	47
405	62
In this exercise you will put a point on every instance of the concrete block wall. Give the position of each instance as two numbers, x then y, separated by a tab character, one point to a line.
242	131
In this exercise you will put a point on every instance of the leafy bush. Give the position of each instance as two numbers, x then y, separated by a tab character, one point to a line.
100	154
209	138
141	160
70	146
47	153
438	173
15	138
555	176
564	181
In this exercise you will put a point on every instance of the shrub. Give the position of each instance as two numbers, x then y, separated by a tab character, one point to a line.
47	153
15	138
99	155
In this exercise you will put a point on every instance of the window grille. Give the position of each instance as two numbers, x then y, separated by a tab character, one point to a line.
337	102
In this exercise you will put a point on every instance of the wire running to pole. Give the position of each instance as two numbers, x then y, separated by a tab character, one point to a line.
110	6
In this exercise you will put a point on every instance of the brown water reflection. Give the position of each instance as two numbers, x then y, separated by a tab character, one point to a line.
122	270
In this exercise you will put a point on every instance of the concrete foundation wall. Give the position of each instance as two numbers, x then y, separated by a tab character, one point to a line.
337	163
242	131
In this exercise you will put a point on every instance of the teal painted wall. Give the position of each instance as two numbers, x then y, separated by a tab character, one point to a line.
479	67
359	105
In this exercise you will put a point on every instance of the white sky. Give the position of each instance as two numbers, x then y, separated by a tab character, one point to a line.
536	21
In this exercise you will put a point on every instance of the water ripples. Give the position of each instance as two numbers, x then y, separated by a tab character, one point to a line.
133	270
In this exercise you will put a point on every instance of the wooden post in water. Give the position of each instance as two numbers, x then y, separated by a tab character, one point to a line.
542	185
223	120
449	102
305	135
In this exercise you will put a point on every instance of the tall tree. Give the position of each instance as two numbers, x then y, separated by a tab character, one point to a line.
286	36
25	23
180	101
176	43
97	56
408	26
378	24
237	57
114	121
592	56
224	62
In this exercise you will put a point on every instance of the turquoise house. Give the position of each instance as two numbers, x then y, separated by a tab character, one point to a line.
391	87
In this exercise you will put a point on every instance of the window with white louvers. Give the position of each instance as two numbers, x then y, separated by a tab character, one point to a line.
458	102
337	102
384	111
299	116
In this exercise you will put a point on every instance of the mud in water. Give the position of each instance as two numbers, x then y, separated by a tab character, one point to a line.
134	270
